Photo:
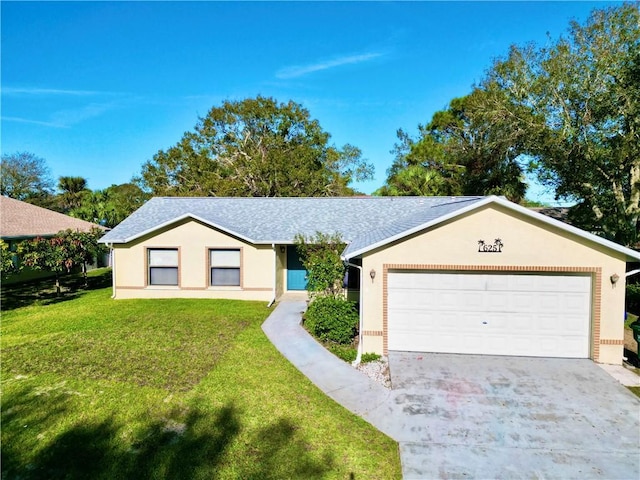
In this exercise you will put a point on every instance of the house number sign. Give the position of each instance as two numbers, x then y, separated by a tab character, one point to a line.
495	247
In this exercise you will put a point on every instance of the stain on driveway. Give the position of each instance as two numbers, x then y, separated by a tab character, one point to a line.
476	416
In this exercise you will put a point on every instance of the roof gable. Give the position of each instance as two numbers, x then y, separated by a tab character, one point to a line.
629	253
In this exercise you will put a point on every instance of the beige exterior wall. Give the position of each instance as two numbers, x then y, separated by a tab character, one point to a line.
193	239
529	245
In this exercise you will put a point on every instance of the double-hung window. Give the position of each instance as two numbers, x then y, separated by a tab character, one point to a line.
225	267
163	266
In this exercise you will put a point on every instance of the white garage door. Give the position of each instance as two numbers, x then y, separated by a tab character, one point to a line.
493	314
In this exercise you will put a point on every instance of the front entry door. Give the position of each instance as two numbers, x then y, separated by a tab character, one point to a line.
296	273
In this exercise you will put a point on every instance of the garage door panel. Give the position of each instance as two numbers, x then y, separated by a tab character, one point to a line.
521	302
578	302
523	322
533	315
549	302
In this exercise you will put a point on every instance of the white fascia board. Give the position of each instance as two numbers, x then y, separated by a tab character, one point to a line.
569	228
509	205
183	217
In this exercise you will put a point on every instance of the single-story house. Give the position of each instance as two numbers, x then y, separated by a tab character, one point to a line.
475	275
21	221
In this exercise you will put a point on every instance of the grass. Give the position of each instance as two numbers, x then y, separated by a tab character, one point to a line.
635	390
98	388
630	319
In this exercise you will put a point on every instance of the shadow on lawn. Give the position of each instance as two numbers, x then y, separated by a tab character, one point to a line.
197	446
42	291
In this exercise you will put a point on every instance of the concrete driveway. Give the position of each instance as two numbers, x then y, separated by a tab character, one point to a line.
468	416
472	416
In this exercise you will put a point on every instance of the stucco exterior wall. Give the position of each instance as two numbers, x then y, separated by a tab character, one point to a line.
528	245
193	241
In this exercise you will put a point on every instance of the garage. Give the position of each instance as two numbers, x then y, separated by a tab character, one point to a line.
524	314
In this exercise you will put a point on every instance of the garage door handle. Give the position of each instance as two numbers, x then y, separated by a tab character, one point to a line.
484	323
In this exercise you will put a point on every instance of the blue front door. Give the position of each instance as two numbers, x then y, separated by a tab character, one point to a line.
296	274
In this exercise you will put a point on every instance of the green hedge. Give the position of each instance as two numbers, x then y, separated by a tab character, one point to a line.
332	319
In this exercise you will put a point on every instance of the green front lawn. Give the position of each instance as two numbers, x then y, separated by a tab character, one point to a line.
97	388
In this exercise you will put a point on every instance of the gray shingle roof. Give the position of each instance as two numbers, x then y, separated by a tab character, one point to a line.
364	222
361	221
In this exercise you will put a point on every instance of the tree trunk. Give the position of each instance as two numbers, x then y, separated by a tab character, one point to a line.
84	274
57	285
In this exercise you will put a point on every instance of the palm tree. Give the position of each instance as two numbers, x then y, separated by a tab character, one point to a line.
72	189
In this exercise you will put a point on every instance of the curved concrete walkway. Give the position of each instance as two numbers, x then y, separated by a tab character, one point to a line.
350	388
470	416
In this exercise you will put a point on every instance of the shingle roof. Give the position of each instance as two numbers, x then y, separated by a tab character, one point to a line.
360	221
558	213
20	219
364	222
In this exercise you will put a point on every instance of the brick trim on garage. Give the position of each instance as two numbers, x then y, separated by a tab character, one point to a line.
373	333
596	293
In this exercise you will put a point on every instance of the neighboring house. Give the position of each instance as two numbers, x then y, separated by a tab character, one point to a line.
22	221
440	274
558	213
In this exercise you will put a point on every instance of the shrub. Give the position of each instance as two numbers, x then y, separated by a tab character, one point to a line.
369	357
332	319
320	255
345	352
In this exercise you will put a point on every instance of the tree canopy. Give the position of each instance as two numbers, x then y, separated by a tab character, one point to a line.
255	147
467	149
72	190
7	264
583	130
25	177
568	111
61	253
110	206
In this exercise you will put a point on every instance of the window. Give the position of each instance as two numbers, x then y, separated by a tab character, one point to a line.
225	267
163	266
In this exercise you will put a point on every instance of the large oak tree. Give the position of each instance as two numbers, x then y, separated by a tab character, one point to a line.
583	92
255	147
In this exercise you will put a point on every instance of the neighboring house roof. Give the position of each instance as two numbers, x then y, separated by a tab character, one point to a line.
23	220
558	213
365	223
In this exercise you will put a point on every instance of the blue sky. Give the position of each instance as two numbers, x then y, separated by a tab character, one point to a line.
96	88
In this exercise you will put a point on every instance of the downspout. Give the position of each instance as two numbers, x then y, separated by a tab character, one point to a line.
632	273
361	316
112	258
275	275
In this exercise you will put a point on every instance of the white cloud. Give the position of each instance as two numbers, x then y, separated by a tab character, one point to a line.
77	115
33	122
51	91
68	117
300	70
